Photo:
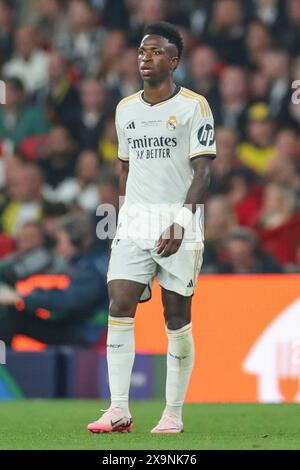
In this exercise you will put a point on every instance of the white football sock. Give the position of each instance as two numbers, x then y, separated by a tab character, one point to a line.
120	359
180	363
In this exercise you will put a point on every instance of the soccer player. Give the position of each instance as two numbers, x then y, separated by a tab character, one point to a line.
166	146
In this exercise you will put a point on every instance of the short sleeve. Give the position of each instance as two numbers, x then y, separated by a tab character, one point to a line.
202	136
123	151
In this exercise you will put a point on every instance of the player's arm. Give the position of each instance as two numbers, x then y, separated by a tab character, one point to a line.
123	178
202	152
123	152
200	183
171	239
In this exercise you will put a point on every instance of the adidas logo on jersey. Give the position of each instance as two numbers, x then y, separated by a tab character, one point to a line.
190	284
130	125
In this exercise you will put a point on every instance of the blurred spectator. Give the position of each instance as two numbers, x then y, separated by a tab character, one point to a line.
275	67
130	80
245	197
115	13
258	86
258	150
222	166
108	145
295	266
50	20
32	256
81	190
19	120
29	63
52	213
277	207
219	223
285	172
114	46
244	255
258	41
203	70
144	12
57	158
24	202
69	313
62	96
291	31
291	115
91	124
225	32
279	228
7	245
287	145
83	40
270	12
108	187
219	219
199	16
233	98
7	25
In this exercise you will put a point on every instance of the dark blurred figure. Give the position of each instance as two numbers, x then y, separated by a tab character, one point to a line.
279	223
32	256
51	20
257	150
225	31
226	139
108	145
62	96
258	41
93	114
29	63
233	93
290	32
19	120
69	313
144	12
115	14
275	67
57	158
81	190
244	255
270	12
7	25
24	198
83	40
203	74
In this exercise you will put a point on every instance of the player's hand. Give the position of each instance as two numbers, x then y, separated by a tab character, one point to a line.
8	296
170	240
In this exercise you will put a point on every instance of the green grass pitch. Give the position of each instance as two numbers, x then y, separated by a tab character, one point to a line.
62	425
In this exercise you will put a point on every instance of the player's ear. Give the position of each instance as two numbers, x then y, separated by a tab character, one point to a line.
174	63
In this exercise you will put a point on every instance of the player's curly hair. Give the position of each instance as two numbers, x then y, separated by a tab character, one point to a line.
168	31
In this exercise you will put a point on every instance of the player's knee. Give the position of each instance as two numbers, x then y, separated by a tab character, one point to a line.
176	322
121	308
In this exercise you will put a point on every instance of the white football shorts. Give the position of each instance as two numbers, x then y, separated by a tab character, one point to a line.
177	273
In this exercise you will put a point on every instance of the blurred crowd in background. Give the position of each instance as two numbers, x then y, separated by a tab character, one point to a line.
66	64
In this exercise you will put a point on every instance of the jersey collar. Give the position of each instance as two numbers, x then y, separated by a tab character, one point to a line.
147	103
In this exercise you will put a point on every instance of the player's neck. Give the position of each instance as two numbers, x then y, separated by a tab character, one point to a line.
157	93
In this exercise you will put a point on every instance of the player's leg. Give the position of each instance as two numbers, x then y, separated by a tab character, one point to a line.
124	297
130	271
180	359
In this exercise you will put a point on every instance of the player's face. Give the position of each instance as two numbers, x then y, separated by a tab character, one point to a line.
157	59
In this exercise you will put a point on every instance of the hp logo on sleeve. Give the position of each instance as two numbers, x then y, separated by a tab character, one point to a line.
206	135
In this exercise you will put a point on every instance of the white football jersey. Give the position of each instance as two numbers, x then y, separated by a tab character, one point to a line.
159	141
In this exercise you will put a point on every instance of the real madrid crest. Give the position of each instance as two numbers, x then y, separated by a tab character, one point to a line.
172	123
